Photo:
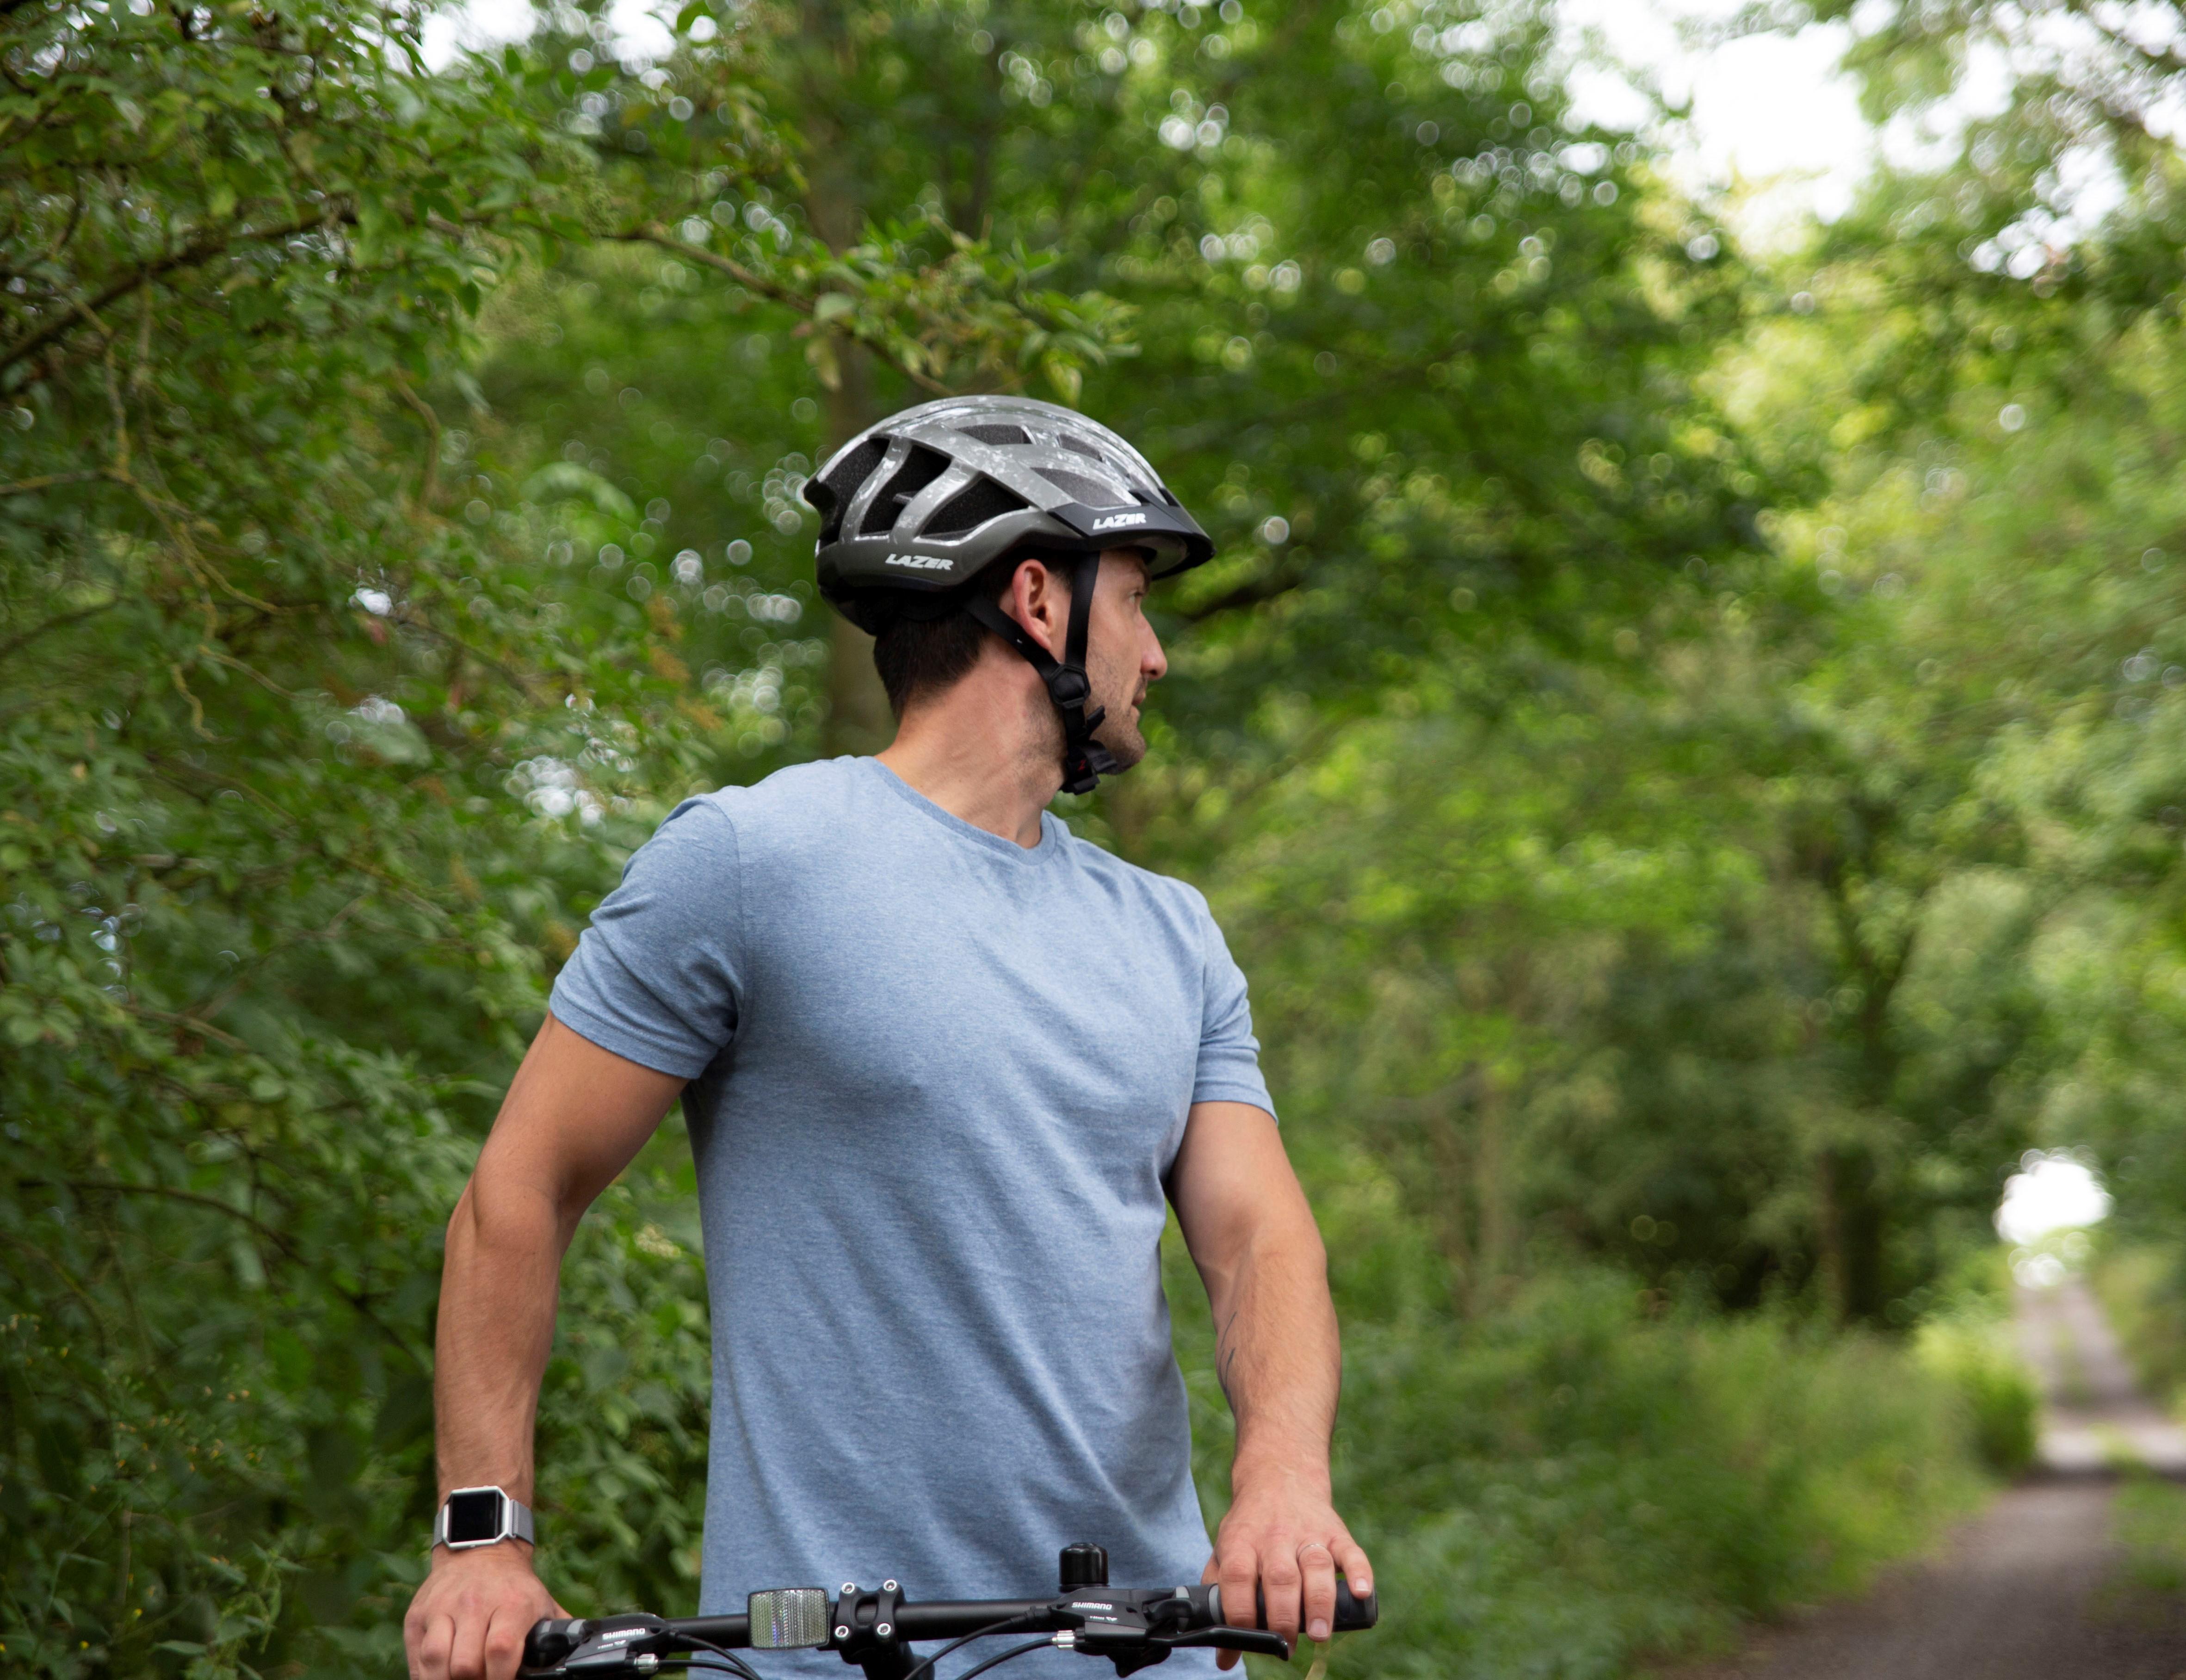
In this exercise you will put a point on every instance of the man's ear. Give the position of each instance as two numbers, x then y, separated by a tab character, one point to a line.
1040	600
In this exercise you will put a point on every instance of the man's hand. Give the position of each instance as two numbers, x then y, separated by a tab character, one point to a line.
1283	1536
469	1620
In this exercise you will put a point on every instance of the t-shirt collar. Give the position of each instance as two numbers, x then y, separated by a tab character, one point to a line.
1053	832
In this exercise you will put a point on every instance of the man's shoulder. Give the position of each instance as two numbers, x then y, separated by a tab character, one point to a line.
795	801
1127	879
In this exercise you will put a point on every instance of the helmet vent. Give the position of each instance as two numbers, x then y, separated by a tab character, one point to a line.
1079	447
920	468
971	507
995	434
1090	492
832	494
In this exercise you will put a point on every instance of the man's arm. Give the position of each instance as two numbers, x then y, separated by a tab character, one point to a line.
573	1117
1254	1239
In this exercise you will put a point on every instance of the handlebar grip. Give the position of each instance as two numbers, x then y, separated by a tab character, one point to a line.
1352	1613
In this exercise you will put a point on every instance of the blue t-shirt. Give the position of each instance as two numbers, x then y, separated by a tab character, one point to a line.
938	1080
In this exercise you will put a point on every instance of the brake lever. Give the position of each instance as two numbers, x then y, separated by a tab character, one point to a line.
1254	1641
599	1645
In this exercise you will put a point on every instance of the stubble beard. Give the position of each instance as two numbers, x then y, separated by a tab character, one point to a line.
1119	730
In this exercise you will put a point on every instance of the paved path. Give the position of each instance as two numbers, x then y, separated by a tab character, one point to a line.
2015	1594
2096	1418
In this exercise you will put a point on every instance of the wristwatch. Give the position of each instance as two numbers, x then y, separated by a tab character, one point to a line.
480	1516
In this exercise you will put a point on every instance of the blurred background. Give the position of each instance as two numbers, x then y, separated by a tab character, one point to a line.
1685	734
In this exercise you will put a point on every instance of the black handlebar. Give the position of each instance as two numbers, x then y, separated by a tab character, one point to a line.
1132	1627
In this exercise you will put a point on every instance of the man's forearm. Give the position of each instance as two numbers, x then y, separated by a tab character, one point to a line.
575	1116
1277	1353
498	1292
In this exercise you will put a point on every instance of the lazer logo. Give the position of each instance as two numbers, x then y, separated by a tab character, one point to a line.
1112	521
919	562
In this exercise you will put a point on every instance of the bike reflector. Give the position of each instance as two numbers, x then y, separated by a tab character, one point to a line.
788	1618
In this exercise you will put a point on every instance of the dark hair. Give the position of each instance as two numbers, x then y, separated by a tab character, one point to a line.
918	657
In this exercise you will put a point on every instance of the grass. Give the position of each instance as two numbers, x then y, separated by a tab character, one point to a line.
2148	1521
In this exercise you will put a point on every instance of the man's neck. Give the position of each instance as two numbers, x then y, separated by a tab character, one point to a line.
987	749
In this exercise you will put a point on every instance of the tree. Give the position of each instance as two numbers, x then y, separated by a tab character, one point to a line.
312	759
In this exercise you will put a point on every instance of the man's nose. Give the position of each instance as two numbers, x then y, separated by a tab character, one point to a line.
1155	663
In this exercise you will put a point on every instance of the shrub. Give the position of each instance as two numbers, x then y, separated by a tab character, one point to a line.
1977	1359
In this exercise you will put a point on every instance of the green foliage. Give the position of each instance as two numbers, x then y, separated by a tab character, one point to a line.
1687	750
1579	1479
1978	1359
2142	1289
312	763
2148	1519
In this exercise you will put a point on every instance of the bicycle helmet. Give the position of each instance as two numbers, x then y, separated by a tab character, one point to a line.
913	509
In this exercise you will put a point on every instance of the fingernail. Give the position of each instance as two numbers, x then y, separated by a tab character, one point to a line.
1318	1631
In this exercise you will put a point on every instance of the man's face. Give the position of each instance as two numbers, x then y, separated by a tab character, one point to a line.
1123	654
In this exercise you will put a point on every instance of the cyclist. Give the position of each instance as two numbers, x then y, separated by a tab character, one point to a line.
945	1068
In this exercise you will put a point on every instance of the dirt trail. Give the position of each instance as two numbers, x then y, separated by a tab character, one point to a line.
2017	1594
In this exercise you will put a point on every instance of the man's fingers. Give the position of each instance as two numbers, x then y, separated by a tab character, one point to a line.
430	1660
466	1654
1239	1569
504	1641
1317	1567
1350	1559
1280	1578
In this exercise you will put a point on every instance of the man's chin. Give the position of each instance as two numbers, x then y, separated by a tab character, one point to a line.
1125	745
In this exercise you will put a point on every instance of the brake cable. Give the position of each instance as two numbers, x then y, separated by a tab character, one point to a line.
1014	1651
926	1666
730	1661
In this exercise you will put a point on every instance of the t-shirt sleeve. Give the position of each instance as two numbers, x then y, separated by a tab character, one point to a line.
657	977
1229	1054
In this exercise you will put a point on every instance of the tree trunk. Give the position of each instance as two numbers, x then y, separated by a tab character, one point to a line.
1850	1218
858	716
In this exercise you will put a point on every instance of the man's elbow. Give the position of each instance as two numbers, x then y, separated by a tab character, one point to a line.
1312	1252
1285	1242
463	1233
492	1217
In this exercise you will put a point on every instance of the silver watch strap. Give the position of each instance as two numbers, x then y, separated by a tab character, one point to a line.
515	1521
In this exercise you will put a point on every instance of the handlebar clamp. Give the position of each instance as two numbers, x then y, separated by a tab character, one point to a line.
867	1631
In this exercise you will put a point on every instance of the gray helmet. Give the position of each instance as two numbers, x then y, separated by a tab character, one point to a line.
923	502
913	509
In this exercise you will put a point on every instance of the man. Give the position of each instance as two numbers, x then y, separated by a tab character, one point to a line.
945	1069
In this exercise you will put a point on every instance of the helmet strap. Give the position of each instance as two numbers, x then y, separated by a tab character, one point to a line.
1084	760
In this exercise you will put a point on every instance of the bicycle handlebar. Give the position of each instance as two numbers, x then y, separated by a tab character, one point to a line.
1132	1627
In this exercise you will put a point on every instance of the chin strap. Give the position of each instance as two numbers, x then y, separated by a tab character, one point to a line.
1084	760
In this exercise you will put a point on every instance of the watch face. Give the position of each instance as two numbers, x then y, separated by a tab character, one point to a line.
474	1515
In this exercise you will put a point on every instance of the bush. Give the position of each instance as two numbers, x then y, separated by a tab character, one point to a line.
1572	1483
1976	1357
2142	1288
